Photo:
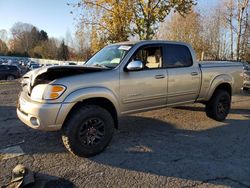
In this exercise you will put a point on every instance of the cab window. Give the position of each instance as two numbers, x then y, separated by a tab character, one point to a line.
151	57
177	56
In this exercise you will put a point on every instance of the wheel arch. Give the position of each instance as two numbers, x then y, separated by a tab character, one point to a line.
223	82
99	101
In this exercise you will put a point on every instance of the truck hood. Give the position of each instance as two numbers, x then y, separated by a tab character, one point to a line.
47	74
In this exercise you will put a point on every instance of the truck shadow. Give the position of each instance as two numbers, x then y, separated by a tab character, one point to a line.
202	109
14	133
218	155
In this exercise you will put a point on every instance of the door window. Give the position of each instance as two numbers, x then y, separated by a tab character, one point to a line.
151	57
178	56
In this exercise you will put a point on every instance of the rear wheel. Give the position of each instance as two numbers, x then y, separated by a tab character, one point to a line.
88	131
218	106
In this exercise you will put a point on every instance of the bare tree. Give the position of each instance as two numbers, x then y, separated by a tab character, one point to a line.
212	32
245	44
3	35
229	16
187	29
21	37
68	38
241	13
82	44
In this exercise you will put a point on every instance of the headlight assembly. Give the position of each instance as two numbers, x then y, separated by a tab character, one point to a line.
47	92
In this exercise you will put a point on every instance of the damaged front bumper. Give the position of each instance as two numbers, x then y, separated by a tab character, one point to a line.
38	115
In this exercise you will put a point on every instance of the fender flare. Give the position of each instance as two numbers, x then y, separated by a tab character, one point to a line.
93	92
218	80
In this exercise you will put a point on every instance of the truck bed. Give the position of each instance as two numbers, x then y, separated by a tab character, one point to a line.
226	69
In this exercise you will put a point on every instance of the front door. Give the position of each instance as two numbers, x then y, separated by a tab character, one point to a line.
147	88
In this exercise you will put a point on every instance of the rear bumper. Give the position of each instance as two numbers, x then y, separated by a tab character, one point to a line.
44	115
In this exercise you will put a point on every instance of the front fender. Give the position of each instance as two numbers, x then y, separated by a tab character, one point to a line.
92	92
221	79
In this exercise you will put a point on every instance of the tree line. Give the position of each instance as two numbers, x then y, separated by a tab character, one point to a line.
109	21
28	41
218	33
223	33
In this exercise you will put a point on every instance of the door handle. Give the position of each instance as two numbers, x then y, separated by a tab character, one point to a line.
194	73
159	76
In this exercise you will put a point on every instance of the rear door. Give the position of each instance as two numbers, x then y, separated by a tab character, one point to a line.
3	72
147	88
184	76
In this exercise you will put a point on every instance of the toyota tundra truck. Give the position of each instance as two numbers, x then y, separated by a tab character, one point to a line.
85	102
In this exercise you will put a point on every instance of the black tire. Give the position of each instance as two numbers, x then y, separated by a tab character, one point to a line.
88	130
10	77
218	107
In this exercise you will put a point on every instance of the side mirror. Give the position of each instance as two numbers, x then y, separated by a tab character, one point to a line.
135	66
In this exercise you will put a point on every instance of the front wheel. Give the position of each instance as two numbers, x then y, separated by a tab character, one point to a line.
88	130
218	106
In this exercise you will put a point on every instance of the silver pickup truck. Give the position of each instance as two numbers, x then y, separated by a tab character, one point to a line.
85	102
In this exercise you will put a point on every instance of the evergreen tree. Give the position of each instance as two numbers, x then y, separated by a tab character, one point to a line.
63	52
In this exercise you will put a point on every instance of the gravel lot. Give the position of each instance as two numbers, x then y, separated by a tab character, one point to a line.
175	147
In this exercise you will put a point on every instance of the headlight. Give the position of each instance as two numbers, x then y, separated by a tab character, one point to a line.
47	92
53	91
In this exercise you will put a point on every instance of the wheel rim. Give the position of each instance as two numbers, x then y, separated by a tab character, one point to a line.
91	131
223	106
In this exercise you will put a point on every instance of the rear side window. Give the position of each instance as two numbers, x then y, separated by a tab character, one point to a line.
177	56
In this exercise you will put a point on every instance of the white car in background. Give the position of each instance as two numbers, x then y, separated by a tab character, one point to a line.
246	78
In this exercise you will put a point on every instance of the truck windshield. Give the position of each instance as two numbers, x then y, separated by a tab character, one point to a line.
109	57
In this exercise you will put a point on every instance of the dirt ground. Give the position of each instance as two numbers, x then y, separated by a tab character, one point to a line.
175	147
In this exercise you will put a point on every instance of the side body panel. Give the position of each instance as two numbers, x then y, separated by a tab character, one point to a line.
214	74
142	89
183	82
183	85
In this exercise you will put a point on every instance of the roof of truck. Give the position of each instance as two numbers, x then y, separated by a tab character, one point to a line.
150	42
